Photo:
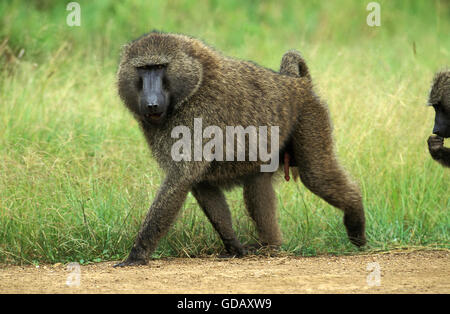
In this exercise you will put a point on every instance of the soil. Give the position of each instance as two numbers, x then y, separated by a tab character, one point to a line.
390	272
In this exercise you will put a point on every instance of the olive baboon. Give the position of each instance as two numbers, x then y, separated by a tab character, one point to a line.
168	80
440	100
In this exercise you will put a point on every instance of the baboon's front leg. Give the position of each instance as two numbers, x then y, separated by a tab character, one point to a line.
213	203
160	217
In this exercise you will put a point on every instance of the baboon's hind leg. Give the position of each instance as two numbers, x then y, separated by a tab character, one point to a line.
260	201
320	171
212	201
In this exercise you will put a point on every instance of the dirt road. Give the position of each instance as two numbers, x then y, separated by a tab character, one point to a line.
394	272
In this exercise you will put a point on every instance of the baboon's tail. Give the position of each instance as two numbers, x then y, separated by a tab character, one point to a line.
293	64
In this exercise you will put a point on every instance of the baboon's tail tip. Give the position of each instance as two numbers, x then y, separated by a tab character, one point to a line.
294	64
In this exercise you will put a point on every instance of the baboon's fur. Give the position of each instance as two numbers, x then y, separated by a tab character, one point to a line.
227	92
440	98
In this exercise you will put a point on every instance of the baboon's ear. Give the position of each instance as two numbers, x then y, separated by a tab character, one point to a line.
185	76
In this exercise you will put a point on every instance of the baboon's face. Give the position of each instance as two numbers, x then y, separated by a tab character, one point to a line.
156	77
153	92
440	100
442	120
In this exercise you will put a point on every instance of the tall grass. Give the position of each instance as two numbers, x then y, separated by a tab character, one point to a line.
76	177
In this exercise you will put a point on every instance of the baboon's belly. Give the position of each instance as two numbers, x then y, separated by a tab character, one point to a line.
231	173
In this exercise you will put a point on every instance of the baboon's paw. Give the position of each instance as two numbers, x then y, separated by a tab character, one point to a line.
235	248
234	252
131	262
258	248
229	255
239	251
355	229
253	248
358	240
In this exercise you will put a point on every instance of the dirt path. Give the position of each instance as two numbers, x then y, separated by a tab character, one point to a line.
400	272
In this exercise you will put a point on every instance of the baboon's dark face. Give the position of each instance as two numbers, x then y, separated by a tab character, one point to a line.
442	119
154	96
156	77
440	100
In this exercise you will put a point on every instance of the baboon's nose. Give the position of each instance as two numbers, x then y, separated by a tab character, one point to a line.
437	131
152	105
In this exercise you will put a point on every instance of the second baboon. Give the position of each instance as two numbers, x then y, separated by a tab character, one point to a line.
170	81
440	100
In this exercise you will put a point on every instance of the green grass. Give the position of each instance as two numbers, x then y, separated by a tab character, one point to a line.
76	176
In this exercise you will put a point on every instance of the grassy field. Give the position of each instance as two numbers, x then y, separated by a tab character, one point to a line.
76	176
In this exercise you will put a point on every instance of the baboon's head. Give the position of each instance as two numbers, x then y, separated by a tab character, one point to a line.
157	74
440	100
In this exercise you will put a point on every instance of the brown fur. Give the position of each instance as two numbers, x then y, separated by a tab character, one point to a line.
440	97
227	92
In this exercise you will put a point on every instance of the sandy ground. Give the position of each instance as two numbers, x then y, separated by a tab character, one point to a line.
393	272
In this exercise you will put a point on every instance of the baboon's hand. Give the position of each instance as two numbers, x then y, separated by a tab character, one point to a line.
435	145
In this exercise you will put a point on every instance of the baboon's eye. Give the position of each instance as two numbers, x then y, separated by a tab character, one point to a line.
159	66
154	67
139	84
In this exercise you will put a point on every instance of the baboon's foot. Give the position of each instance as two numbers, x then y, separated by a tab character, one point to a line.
262	248
137	257
129	262
229	255
234	248
240	254
253	248
355	229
